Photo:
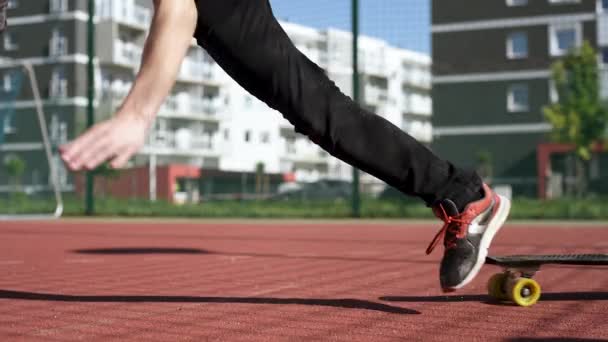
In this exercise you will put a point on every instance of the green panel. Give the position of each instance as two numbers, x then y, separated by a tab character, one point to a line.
513	156
485	103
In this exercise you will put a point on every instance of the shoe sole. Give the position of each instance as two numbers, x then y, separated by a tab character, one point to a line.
494	226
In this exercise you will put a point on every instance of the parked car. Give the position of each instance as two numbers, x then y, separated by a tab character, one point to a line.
326	189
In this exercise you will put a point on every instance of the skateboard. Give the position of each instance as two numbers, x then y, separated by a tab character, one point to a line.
515	282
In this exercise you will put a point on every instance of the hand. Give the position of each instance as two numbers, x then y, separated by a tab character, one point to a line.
116	139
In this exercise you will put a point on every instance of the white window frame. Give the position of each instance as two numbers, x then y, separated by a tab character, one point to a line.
553	43
512	106
517	3
510	51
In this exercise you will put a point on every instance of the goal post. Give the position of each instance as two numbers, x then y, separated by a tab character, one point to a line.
30	186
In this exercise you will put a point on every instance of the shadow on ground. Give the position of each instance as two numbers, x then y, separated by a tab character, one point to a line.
553	339
346	303
140	250
552	296
160	250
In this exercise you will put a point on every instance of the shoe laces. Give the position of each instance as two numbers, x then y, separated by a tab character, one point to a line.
454	225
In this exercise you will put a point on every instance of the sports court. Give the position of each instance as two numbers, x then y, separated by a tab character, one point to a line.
281	280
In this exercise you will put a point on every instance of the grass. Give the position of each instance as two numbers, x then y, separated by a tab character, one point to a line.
523	209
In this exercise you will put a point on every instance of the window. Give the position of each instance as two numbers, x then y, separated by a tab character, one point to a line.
58	6
248	101
594	167
226	134
517	45
517	98
7	83
247	136
290	145
58	45
604	4
604	55
8	125
12	4
265	137
562	38
10	43
59	84
517	2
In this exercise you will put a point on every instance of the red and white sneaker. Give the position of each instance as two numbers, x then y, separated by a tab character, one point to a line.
467	236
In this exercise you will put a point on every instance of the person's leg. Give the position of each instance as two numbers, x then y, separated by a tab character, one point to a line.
246	40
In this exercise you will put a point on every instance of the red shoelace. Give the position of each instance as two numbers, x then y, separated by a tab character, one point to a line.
455	225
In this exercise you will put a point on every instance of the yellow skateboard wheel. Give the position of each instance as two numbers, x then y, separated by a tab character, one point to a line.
524	291
496	286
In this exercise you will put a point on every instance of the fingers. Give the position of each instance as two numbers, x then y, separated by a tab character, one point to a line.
122	159
78	152
99	154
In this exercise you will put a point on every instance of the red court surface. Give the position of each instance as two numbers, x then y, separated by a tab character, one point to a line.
278	281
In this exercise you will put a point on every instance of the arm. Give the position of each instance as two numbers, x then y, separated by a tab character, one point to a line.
123	135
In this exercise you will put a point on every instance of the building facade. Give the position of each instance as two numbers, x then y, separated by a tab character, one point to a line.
492	77
208	121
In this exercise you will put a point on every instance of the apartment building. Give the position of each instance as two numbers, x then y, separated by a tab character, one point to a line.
208	121
491	77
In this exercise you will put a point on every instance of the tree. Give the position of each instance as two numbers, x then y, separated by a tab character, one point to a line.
578	117
15	168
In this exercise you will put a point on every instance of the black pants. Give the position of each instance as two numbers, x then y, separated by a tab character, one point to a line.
245	39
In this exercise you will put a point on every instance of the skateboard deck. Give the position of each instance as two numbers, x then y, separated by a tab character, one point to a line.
515	283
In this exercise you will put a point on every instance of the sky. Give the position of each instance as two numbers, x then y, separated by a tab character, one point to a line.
404	23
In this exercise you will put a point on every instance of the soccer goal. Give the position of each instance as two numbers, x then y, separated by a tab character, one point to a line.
30	185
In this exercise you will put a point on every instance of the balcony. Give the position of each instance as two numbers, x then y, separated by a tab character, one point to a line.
196	72
181	142
418	104
375	95
417	79
126	13
420	130
301	150
127	54
190	107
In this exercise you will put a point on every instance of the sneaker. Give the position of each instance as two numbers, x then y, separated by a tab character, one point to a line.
467	236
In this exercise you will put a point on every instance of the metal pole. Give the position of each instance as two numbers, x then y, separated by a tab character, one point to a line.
89	202
152	177
356	200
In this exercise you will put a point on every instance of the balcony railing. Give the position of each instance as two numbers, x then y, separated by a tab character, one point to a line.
126	53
